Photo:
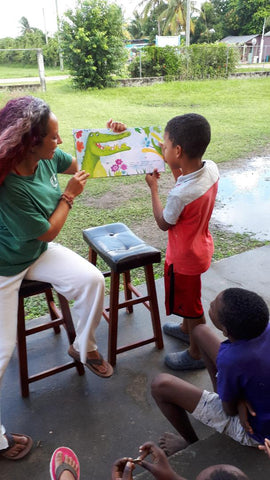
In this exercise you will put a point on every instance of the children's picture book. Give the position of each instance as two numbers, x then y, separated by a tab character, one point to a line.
103	153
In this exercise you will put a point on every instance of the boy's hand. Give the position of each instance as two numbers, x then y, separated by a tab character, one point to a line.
265	447
244	408
116	127
160	468
152	179
122	469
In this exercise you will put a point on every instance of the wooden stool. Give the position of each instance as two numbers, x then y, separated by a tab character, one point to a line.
124	251
28	289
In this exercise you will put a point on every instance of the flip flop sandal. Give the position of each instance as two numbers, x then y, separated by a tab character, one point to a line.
56	472
92	362
12	442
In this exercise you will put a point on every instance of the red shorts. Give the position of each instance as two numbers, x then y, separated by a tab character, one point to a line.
182	294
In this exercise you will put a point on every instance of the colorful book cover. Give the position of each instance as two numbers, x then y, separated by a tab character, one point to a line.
103	153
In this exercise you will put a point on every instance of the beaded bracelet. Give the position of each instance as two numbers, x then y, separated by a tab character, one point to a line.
67	199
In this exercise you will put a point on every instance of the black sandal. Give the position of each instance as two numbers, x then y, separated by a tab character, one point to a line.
11	442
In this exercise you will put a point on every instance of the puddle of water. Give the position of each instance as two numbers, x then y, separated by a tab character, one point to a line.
243	200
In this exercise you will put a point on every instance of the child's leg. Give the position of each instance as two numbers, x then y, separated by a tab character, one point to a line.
208	343
194	349
175	398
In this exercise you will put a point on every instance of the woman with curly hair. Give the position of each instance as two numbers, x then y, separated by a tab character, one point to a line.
32	212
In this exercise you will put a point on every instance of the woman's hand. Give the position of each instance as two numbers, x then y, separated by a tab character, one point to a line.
122	469
76	184
116	127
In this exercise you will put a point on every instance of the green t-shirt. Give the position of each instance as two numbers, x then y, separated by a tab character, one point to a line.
26	203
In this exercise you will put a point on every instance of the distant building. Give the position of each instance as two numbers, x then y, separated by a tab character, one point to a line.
252	47
164	41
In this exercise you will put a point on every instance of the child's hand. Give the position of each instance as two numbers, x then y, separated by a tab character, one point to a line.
122	469
160	468
244	408
152	178
265	447
116	127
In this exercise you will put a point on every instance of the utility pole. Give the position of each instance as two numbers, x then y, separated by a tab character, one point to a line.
262	42
58	39
45	28
188	24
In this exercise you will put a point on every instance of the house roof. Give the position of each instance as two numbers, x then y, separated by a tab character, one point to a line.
238	39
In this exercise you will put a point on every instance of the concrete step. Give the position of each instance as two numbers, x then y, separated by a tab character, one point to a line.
217	449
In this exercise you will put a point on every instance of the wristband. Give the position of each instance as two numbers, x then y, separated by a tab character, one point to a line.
67	199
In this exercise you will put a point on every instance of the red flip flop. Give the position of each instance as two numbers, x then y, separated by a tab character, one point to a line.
57	471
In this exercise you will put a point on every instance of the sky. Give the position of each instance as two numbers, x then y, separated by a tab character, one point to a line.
42	13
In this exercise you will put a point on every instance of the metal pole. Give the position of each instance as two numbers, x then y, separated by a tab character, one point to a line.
188	24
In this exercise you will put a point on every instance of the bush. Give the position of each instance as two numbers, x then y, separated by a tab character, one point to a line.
197	61
93	43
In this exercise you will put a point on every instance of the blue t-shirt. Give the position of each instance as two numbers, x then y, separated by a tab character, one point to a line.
26	204
244	373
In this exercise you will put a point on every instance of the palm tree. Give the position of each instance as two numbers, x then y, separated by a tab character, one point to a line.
25	26
154	7
176	17
136	25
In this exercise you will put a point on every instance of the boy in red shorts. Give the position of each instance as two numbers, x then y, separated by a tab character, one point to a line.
186	217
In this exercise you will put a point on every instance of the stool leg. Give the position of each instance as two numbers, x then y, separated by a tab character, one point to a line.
154	310
54	314
92	256
22	351
113	318
69	327
128	293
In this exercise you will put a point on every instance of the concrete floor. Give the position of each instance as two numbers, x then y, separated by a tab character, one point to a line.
103	419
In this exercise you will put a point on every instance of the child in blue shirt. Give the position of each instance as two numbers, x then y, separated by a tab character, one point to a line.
240	372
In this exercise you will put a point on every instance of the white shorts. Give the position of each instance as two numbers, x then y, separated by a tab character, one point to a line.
210	412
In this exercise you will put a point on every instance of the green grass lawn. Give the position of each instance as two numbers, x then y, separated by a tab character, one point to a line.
17	71
237	109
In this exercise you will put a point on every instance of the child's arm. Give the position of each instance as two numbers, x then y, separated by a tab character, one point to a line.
152	181
265	447
122	469
160	468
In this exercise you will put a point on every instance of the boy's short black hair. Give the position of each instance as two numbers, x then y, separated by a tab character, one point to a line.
244	314
225	475
191	131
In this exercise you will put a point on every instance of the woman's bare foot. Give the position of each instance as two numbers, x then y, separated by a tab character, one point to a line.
171	443
66	474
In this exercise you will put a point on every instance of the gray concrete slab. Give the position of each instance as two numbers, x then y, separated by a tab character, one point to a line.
103	419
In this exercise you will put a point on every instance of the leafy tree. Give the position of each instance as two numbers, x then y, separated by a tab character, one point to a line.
207	26
93	42
241	17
